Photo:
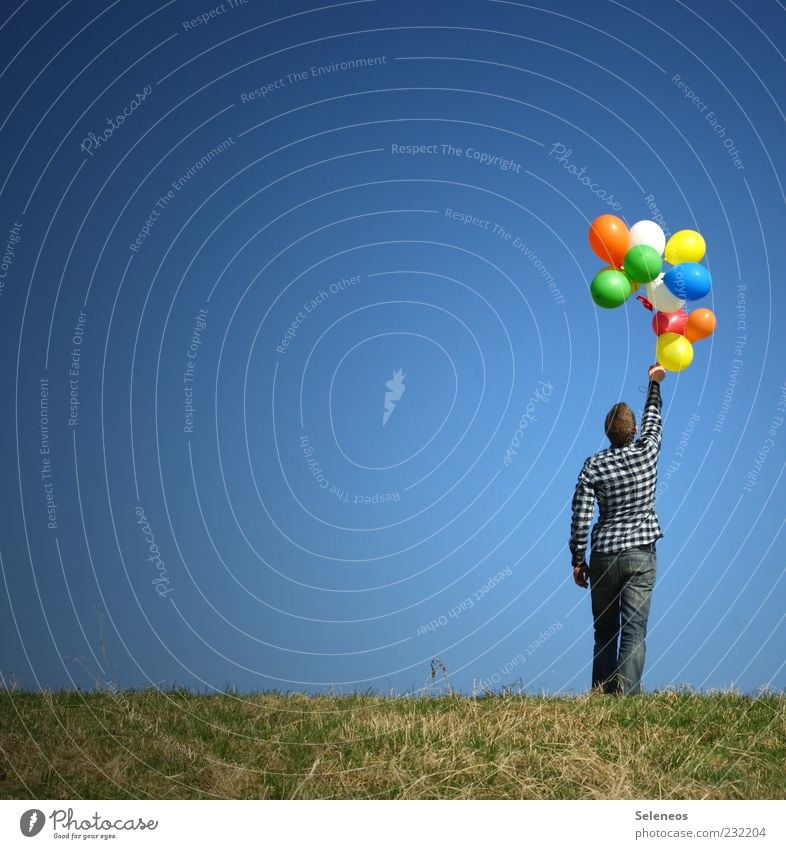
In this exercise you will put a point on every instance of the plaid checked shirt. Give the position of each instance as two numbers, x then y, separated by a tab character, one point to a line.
623	480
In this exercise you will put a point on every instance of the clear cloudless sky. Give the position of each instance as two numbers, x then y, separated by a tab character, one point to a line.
226	227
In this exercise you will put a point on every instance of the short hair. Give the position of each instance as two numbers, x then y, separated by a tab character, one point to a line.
620	425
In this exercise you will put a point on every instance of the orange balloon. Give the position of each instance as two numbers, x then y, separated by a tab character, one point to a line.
609	237
700	324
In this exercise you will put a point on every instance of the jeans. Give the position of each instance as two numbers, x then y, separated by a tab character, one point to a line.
621	588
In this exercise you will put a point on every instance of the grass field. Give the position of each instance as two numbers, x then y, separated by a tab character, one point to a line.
175	745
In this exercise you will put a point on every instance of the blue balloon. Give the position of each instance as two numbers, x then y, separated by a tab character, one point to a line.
688	281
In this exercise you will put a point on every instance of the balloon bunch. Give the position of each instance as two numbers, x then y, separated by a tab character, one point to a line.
635	257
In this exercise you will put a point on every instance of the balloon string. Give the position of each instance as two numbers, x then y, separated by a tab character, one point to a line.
644	302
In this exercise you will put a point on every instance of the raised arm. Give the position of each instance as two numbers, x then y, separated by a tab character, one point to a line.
651	426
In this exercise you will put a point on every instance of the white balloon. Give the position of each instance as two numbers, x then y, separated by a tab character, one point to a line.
661	298
648	233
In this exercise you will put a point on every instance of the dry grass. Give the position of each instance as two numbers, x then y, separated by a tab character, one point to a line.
670	745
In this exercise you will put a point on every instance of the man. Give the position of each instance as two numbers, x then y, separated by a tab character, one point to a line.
622	562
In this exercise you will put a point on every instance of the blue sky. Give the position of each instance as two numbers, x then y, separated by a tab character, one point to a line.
227	227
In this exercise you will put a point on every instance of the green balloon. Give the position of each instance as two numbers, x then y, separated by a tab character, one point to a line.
642	263
610	288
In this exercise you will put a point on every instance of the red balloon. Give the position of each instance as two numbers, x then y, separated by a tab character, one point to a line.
670	322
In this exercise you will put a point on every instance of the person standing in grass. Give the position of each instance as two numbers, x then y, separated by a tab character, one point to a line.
621	572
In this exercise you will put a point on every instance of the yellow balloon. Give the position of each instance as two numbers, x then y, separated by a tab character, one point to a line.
673	351
685	246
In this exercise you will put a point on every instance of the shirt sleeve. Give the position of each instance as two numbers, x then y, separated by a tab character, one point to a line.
651	427
583	505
